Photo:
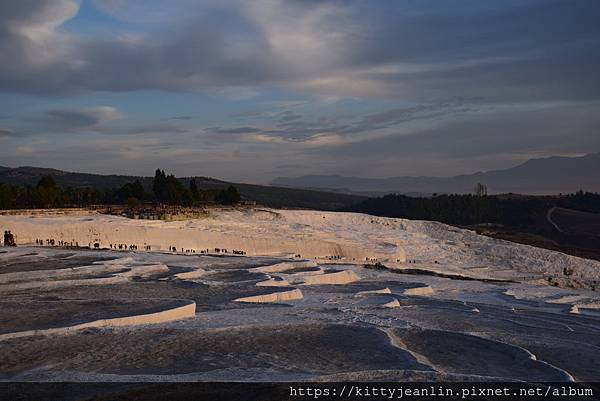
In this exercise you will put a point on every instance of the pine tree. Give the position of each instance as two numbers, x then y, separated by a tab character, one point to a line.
159	186
194	189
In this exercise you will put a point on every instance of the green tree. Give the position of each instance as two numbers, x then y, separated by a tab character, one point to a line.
176	193
194	189
47	194
131	190
229	196
159	186
168	189
8	197
46	181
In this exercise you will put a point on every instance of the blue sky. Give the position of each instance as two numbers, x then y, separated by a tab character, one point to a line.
252	90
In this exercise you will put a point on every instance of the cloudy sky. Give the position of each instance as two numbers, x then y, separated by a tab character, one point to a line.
248	90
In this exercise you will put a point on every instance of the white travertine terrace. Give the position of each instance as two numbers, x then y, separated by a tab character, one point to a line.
372	292
425	290
63	278
283	266
590	305
392	304
145	270
47	285
552	295
362	323
194	274
283	296
312	235
59	274
343	277
298	276
273	283
178	313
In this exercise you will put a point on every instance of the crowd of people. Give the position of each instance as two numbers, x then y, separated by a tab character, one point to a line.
52	242
124	247
207	251
9	241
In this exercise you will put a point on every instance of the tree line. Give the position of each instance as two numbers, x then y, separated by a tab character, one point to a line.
166	189
510	210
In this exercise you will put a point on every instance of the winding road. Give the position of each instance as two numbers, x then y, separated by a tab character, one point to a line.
549	218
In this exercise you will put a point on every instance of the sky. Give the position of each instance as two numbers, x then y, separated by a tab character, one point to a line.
252	90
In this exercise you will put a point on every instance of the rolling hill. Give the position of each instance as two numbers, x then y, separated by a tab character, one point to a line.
266	195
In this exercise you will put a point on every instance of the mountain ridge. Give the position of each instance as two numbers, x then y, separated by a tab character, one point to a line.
541	176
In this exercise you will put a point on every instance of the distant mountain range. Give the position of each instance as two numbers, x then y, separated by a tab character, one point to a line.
266	195
550	175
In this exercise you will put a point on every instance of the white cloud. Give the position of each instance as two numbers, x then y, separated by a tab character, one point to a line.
80	119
